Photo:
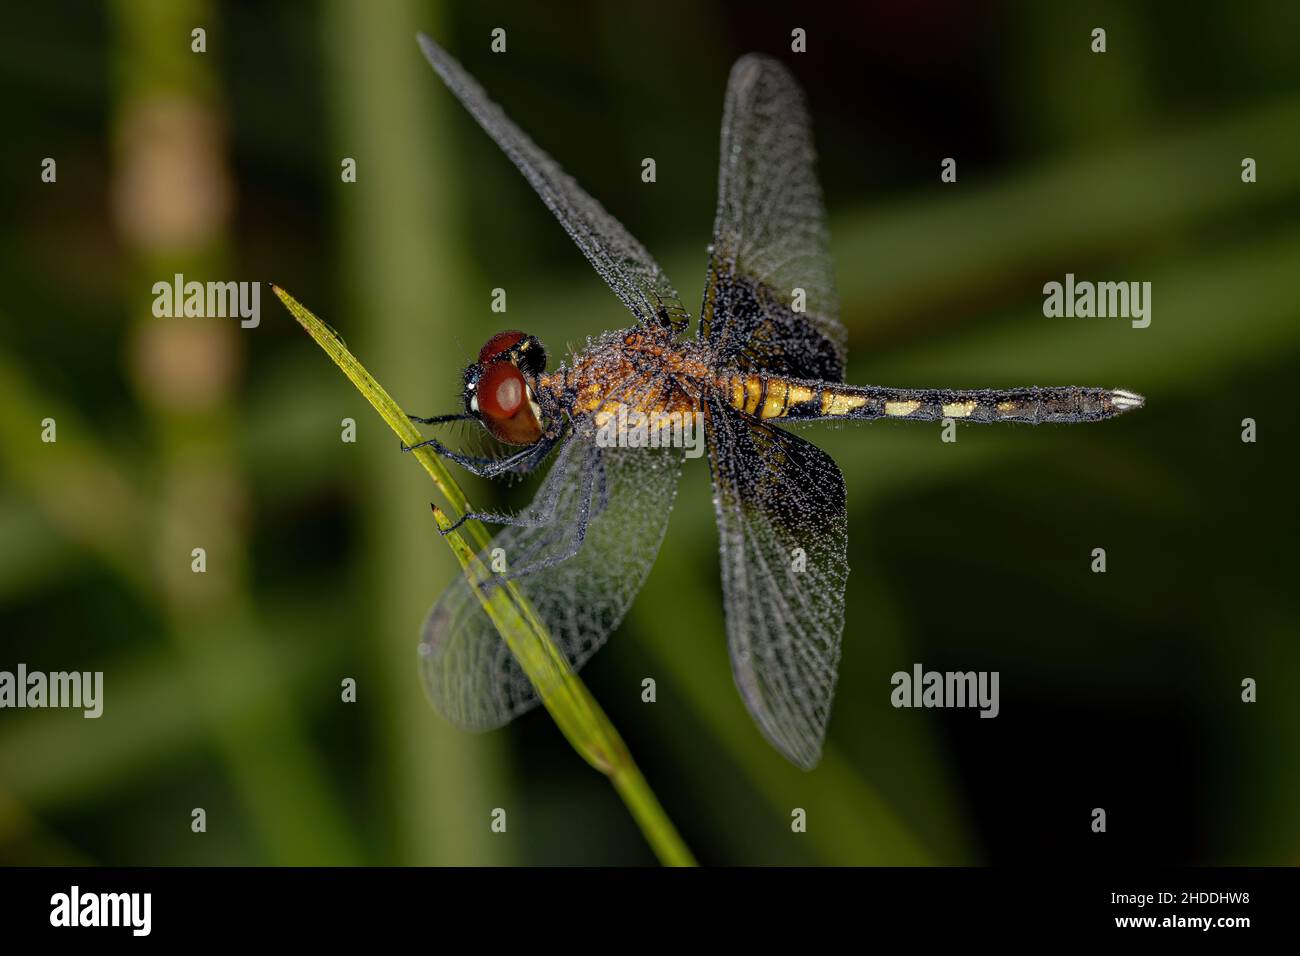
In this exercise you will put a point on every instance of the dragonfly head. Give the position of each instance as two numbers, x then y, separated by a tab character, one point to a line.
500	387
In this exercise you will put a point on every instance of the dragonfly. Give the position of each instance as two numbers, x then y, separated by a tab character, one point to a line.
615	422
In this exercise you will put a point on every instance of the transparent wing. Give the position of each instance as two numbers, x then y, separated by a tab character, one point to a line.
621	261
770	236
468	671
781	518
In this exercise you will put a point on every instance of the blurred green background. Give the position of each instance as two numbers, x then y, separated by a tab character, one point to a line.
222	690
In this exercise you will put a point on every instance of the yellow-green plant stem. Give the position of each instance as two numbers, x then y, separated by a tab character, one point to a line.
564	695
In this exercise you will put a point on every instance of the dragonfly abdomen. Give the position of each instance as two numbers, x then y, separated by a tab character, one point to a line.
770	397
1032	405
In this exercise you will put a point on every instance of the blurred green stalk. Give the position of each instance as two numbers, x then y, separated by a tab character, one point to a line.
398	236
565	697
172	185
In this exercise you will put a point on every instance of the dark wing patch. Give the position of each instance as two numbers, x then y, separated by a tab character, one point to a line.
470	674
621	261
770	236
782	521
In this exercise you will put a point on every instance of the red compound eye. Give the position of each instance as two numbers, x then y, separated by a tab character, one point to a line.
498	344
501	391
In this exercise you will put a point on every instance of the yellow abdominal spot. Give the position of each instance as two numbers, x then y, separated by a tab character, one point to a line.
833	404
900	409
777	396
737	393
1006	407
780	397
958	409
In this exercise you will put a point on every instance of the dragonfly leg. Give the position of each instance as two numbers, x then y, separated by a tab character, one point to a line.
440	419
480	466
579	529
525	519
537	515
586	498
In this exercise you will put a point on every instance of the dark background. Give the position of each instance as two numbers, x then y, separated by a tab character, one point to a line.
1119	690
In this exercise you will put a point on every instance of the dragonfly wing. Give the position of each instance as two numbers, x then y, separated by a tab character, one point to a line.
621	261
769	298
781	517
469	672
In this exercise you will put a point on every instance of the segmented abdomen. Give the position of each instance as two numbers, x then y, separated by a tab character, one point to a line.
775	398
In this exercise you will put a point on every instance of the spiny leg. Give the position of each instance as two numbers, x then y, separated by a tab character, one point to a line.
575	542
441	419
585	496
488	467
533	517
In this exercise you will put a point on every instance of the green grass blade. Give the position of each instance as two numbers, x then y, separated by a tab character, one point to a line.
565	697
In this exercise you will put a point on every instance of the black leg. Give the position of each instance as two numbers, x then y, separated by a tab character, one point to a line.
440	419
536	516
522	520
475	465
590	467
